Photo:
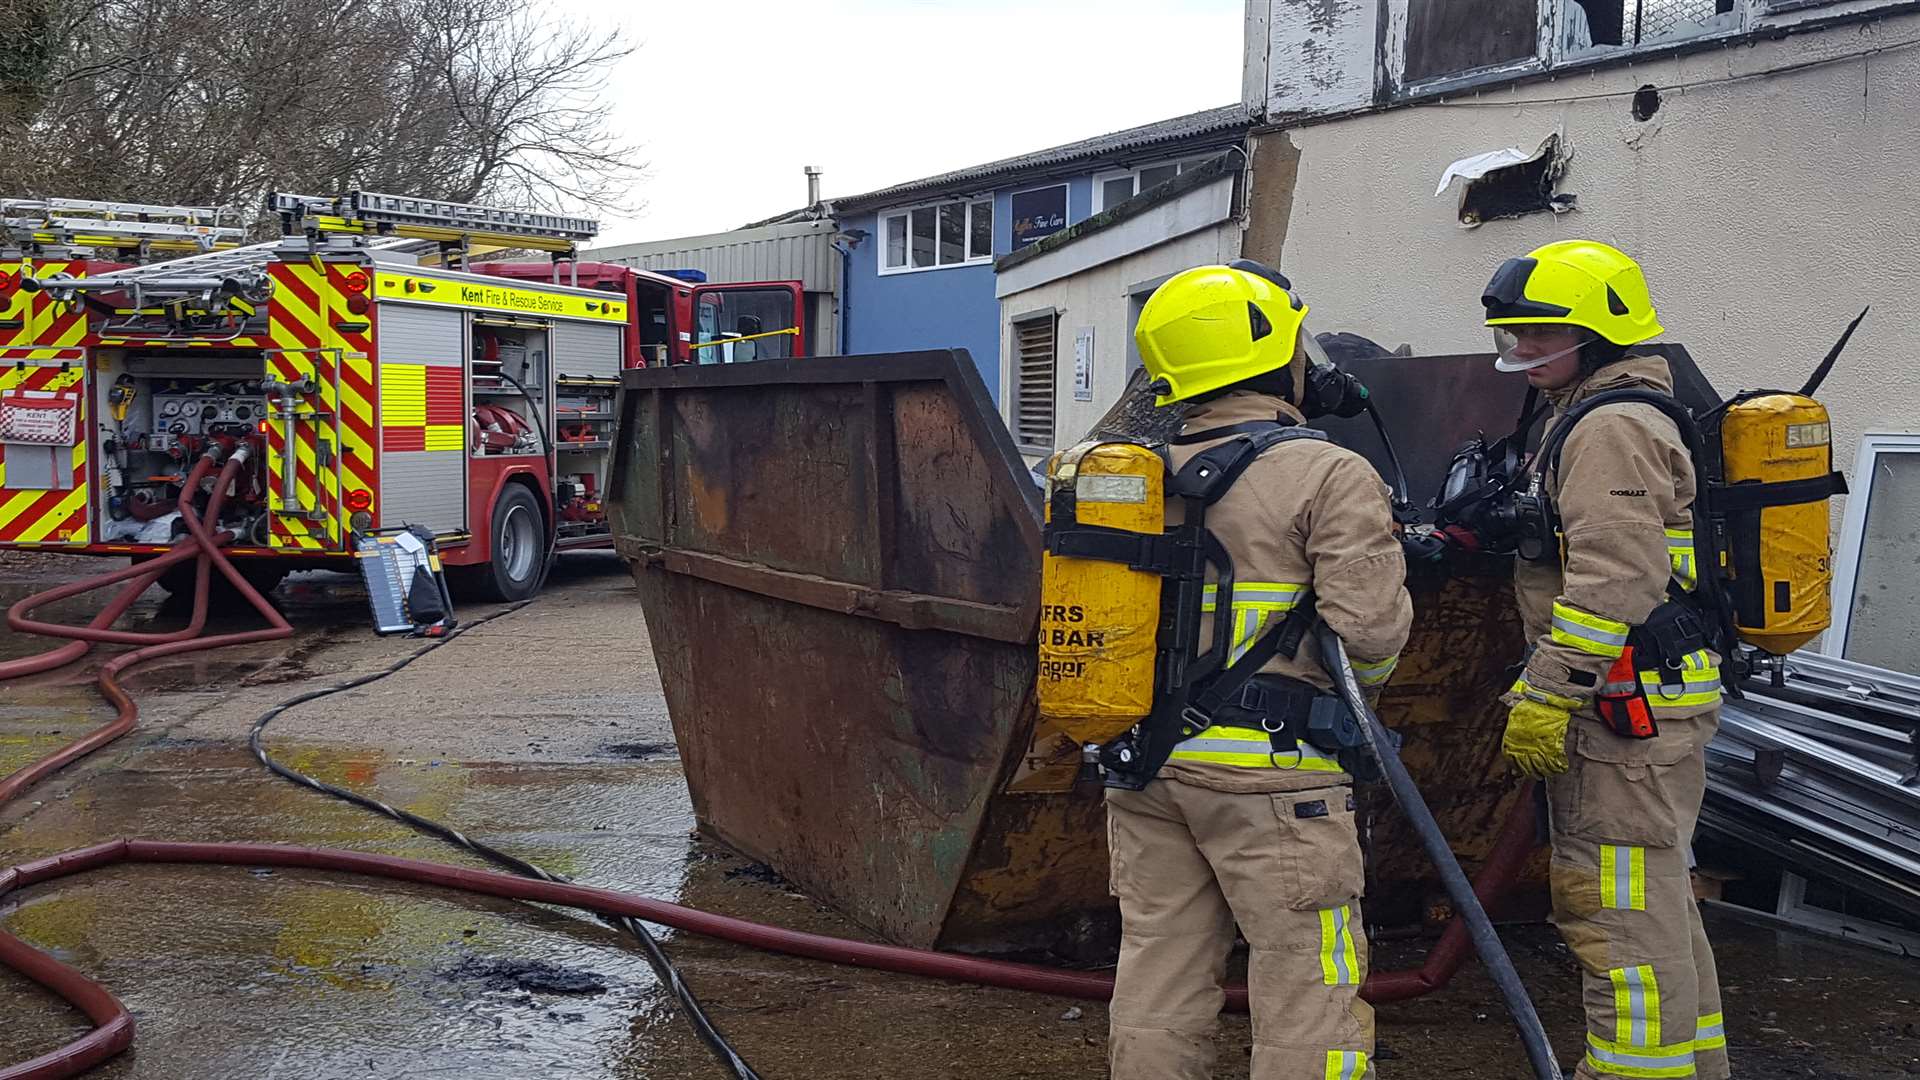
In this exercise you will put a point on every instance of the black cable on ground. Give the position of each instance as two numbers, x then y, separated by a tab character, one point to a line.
656	957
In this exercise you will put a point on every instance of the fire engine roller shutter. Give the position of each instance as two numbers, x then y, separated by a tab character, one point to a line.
423	417
586	350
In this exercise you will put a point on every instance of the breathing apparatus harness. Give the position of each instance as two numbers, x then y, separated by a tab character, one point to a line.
1496	500
1194	689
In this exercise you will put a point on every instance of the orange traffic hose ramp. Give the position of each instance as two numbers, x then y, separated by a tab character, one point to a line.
114	1029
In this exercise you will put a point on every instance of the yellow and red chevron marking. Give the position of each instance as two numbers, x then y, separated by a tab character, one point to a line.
45	326
31	515
298	322
359	430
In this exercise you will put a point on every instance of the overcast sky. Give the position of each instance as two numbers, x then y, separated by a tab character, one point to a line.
729	99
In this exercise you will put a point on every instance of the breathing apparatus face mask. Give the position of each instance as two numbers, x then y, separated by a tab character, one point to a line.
1486	503
1518	351
1330	391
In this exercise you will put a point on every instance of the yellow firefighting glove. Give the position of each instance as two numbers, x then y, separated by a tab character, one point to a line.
1536	738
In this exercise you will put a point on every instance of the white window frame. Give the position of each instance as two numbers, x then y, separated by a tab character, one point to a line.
1853	532
881	219
1100	179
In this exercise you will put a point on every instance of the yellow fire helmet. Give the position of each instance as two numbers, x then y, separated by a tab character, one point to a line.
1574	283
1213	326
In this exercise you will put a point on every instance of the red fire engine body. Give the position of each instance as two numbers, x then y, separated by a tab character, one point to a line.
370	388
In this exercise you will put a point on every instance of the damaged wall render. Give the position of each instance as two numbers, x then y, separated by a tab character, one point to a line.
1767	212
1319	56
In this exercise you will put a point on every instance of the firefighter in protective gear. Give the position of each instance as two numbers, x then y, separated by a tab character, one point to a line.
1235	827
1623	808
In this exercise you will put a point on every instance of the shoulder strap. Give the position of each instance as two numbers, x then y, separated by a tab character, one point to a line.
1556	439
1247	427
1706	505
1207	475
1282	638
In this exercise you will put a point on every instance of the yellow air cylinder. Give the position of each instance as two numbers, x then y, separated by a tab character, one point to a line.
1781	557
1099	619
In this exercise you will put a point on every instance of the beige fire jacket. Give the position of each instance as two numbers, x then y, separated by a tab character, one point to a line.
1304	515
1624	493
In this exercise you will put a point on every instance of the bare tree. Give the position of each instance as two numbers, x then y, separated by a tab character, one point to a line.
166	101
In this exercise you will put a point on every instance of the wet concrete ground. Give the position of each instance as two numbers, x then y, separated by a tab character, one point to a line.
545	732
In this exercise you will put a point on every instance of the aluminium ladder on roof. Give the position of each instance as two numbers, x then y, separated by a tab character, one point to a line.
94	223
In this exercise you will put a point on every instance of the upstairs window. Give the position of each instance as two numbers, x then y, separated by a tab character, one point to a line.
1110	189
935	236
1461	42
1453	37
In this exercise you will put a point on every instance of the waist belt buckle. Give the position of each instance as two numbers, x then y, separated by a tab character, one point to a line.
1253	698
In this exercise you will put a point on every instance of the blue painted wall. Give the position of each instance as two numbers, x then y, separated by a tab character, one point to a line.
951	308
939	309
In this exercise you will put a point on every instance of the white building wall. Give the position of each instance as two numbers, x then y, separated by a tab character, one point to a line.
1104	298
1767	211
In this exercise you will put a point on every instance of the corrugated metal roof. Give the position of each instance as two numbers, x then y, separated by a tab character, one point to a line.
1202	126
800	251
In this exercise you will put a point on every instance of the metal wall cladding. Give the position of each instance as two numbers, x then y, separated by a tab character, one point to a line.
800	252
587	351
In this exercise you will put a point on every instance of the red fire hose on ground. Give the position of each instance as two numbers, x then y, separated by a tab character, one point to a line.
115	1029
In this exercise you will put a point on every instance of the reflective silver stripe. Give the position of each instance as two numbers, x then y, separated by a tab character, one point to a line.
1620	858
1603	637
1353	1065
1247	621
1198	745
1289	594
1617	689
1377	672
1636	992
1340	946
1261	746
1680	553
1659	682
1612	1055
1710	1031
1588	633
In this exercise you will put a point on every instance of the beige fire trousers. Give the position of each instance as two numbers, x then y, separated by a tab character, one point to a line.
1623	820
1188	862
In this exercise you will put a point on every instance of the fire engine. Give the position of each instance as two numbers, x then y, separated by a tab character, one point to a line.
377	376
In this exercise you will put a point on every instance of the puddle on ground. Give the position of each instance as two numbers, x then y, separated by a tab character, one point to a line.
238	972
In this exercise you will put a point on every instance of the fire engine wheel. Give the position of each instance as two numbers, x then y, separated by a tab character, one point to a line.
519	548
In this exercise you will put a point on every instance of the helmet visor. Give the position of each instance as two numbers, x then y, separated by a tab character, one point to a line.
1310	349
1521	352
